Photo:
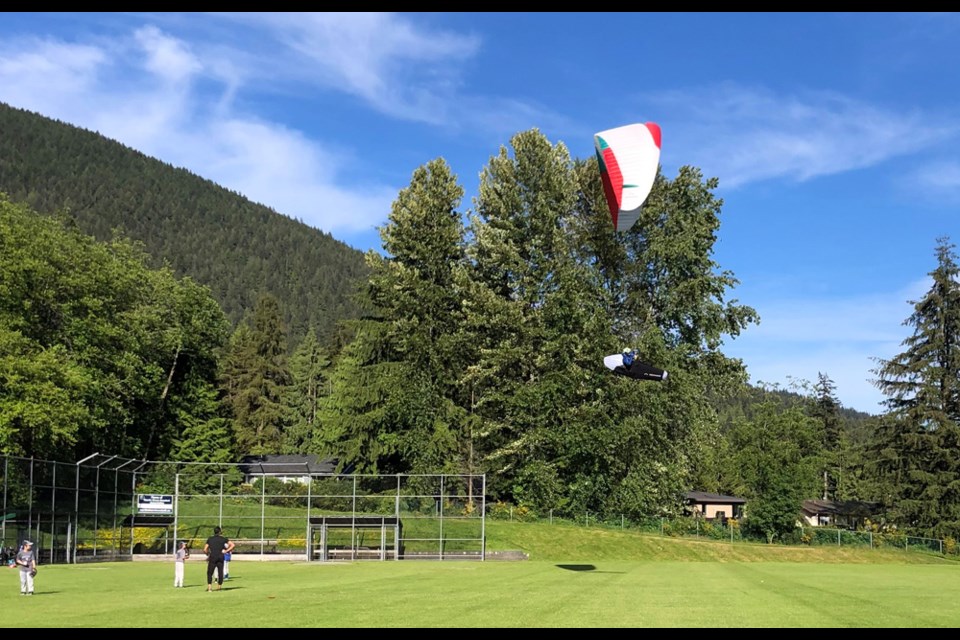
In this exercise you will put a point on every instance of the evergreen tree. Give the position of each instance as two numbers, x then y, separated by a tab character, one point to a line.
255	379
849	478
826	410
369	396
397	401
205	438
919	440
309	370
534	319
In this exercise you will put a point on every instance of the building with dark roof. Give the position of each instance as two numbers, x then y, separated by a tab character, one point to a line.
837	513
714	505
287	468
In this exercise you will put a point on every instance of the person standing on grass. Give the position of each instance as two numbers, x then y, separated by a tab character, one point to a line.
226	564
179	558
215	546
26	561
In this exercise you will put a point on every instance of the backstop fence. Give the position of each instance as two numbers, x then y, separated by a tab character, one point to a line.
112	508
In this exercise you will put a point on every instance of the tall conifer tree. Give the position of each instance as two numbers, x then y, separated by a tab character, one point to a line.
309	371
396	402
826	410
920	440
255	378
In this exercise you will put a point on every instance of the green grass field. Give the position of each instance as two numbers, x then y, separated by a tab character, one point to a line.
576	577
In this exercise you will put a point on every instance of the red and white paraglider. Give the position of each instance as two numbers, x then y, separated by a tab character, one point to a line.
629	157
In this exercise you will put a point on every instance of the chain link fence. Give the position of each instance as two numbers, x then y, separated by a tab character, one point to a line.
733	530
108	508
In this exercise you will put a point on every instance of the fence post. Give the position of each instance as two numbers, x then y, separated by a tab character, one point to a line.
3	524
871	539
551	516
621	521
838	537
661	525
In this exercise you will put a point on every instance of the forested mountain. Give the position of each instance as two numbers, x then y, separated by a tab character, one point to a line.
238	248
740	406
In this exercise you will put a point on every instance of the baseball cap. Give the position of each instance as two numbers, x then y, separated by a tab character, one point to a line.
26	542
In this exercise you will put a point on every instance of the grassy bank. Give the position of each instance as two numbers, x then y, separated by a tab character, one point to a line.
560	542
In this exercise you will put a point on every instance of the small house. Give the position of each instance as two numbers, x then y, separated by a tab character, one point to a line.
286	468
849	514
714	506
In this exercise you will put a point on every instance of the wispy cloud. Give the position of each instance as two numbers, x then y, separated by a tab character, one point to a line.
163	111
369	55
744	135
392	64
937	181
166	57
35	69
800	338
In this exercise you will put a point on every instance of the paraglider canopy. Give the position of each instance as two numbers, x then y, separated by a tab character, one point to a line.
629	157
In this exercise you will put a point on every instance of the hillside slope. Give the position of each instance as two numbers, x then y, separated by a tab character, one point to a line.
236	247
565	542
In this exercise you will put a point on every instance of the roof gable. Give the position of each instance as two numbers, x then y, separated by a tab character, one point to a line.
857	508
287	465
713	498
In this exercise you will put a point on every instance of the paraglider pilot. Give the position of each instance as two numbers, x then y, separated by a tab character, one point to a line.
633	368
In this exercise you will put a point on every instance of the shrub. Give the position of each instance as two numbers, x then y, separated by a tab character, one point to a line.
950	546
507	511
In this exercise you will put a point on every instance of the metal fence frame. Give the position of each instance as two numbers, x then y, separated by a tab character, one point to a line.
87	510
731	530
75	513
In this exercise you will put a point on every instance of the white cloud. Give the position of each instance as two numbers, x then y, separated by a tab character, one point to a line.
281	168
744	135
801	338
397	67
39	73
936	181
164	113
167	57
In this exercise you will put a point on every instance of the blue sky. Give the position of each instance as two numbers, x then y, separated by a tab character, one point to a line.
834	136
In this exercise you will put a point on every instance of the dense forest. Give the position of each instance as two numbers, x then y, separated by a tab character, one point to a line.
237	248
476	347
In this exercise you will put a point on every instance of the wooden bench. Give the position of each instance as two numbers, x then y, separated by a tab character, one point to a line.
359	554
255	544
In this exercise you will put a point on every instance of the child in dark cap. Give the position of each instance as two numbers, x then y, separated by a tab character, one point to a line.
27	563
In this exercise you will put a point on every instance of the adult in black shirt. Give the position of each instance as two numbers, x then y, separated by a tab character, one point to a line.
215	546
